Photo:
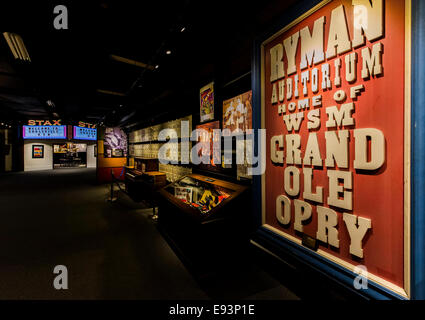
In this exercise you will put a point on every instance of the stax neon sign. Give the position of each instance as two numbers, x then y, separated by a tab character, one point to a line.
86	125
44	122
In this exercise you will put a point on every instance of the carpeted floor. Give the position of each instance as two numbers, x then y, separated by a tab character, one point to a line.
111	250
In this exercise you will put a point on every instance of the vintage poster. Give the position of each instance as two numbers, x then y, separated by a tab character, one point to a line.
237	113
207	102
334	105
37	151
209	137
183	193
237	118
115	143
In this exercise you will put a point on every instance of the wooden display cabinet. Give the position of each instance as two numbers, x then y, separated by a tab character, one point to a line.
142	181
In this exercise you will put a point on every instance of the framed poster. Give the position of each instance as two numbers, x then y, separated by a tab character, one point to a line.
209	138
115	143
337	160
183	193
207	102
37	151
237	118
237	113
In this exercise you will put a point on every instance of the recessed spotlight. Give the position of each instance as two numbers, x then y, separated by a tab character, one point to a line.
168	52
157	66
182	29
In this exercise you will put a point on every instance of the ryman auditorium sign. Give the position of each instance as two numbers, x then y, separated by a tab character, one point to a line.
334	106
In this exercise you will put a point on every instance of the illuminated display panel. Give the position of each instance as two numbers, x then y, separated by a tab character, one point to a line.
81	133
44	132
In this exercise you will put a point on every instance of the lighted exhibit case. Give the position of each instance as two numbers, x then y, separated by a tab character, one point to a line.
201	197
203	217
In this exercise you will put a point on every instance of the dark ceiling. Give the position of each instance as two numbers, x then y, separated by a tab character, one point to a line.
68	67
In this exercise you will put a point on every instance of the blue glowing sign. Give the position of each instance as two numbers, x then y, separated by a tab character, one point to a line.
44	132
81	133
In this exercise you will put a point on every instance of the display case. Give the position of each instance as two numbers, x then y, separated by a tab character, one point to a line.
143	180
205	220
202	197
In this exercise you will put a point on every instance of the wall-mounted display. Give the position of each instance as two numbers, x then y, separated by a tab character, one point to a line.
82	133
44	132
337	160
174	172
237	113
209	137
115	143
143	143
207	102
237	118
37	151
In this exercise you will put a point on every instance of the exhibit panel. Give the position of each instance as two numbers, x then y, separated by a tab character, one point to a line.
38	155
336	188
111	155
147	143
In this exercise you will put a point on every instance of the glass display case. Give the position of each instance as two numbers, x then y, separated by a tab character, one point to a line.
205	220
200	196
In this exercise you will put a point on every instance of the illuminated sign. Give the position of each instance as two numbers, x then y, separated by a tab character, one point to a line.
44	132
86	125
44	122
334	104
81	133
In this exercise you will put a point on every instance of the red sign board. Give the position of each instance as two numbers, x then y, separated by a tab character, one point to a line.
334	95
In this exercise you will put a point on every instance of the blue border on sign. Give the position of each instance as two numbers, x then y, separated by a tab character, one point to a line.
418	150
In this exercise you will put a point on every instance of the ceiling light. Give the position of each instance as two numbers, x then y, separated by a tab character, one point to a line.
182	29
111	92
17	46
131	62
157	66
168	52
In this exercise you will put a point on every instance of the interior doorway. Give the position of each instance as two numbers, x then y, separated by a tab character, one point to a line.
70	155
